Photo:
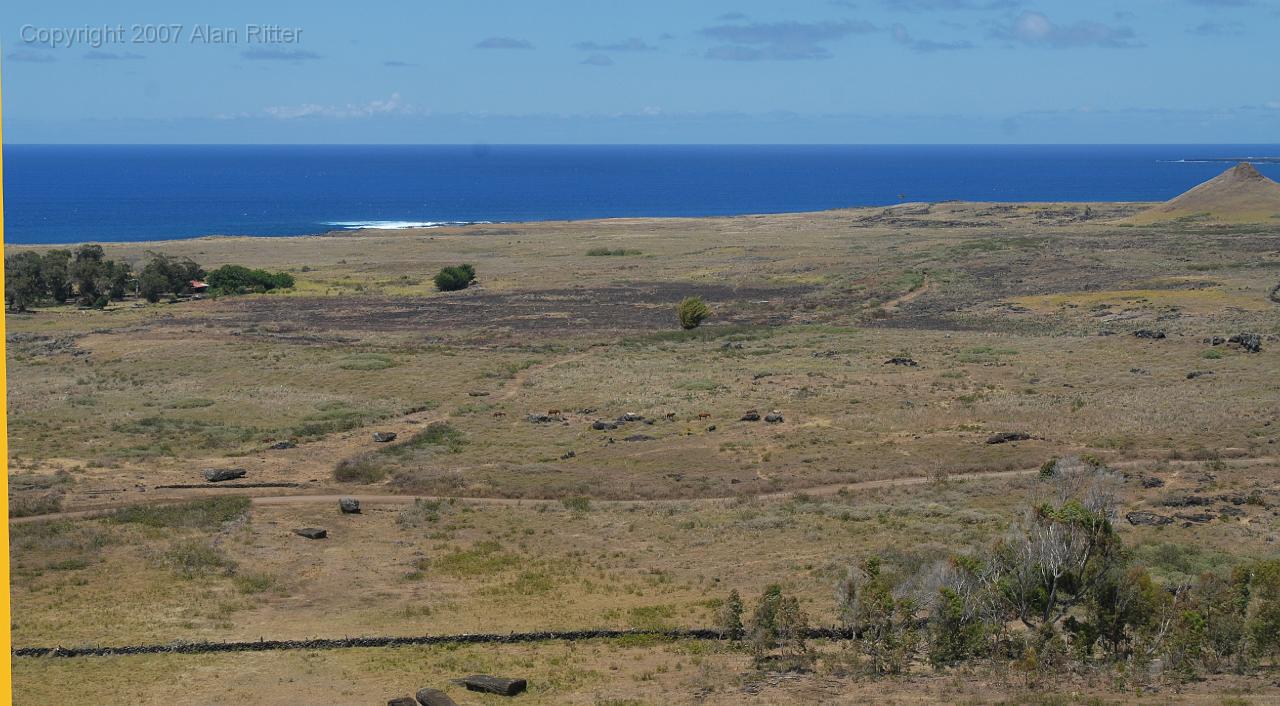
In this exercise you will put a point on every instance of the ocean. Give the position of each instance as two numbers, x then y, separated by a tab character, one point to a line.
74	193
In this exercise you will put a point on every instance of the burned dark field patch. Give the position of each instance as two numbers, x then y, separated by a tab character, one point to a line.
623	309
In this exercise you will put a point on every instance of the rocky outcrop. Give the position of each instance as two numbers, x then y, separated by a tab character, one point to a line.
1142	517
383	437
311	532
349	506
1005	437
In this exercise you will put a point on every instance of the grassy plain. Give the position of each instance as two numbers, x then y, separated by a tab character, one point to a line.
1018	317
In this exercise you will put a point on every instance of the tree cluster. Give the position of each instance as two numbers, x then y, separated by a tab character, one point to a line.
84	275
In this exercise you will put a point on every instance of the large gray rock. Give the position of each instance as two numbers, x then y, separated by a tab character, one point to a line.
402	701
349	506
434	697
1005	437
494	685
311	532
217	475
773	418
750	416
383	437
1142	517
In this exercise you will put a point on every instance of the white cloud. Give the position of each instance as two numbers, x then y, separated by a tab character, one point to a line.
390	106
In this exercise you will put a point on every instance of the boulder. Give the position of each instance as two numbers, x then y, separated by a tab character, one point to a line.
383	437
1152	482
311	532
1215	340
402	701
217	475
544	418
711	427
773	418
1197	517
902	361
434	697
1148	333
631	417
494	685
1198	374
349	506
1142	517
750	416
1005	437
1251	342
281	445
601	425
567	455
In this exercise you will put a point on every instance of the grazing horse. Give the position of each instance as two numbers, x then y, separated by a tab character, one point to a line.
703	415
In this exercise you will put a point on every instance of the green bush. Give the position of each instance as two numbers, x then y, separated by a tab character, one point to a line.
577	503
691	312
237	279
451	279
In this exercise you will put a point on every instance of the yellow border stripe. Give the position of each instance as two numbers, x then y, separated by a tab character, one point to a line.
6	671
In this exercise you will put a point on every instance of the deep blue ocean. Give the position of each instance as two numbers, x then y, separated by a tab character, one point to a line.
66	193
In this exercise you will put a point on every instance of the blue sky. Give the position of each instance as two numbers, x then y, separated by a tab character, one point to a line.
601	71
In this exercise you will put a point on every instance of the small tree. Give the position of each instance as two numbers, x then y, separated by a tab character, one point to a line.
882	620
692	311
23	284
731	616
779	623
451	279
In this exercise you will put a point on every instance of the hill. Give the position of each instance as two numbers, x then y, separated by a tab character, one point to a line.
1239	195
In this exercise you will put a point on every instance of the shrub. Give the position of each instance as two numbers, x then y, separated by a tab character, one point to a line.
578	503
691	312
451	279
606	252
364	468
191	558
237	279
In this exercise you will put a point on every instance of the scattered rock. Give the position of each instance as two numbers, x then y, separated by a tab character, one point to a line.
434	697
1198	374
349	506
1181	500
1215	340
631	417
402	701
1251	342
567	455
601	425
1005	437
751	416
383	437
1139	371
494	685
1231	511
773	418
544	418
1142	517
639	437
217	475
902	361
478	393
1152	482
311	532
1197	517
281	445
711	427
1148	333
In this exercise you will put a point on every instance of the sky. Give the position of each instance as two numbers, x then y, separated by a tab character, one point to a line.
659	71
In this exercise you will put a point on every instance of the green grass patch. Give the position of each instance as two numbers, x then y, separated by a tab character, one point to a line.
366	361
615	252
204	514
483	558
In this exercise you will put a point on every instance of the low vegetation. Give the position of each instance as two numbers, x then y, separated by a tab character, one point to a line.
454	278
691	312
